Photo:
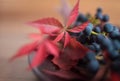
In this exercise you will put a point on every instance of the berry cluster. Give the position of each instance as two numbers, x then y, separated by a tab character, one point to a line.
99	36
78	48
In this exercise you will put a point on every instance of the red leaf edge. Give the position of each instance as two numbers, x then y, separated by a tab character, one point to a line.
52	48
47	21
67	39
39	57
73	15
59	37
25	50
79	28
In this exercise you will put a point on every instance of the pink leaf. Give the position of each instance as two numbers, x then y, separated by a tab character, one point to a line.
79	28
62	62
52	48
39	57
83	48
25	50
47	29
115	76
67	39
59	37
77	44
36	36
47	21
73	15
79	50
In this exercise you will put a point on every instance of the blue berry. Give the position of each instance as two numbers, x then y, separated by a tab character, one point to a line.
99	38
114	34
90	56
90	25
99	10
93	66
115	29
99	16
88	29
91	47
113	54
105	18
96	46
82	18
97	29
107	44
108	28
116	44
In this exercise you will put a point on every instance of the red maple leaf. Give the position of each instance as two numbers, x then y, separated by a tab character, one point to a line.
73	52
52	26
44	47
47	25
43	43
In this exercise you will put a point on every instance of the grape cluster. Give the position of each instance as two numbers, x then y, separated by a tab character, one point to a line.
99	36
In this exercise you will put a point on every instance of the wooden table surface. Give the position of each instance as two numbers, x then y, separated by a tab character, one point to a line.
13	31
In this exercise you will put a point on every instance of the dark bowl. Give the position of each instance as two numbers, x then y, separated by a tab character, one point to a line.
101	75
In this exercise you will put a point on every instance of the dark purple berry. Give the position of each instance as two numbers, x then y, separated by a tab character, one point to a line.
99	10
99	16
108	28
97	29
90	56
105	18
93	66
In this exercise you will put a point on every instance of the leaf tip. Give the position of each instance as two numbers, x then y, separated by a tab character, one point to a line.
12	58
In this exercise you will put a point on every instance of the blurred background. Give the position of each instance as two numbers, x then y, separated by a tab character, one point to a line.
13	31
